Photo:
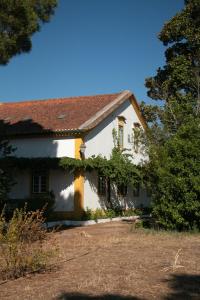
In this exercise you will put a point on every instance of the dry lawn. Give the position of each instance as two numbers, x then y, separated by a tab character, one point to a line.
108	261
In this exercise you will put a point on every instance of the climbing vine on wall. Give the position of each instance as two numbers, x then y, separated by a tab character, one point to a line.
119	168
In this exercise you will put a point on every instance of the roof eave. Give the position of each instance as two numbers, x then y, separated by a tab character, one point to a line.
92	122
63	132
105	112
108	109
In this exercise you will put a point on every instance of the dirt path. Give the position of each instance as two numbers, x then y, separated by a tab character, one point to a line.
108	261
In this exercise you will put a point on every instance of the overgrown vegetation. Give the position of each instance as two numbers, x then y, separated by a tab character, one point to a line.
6	180
99	213
119	168
44	202
22	244
173	142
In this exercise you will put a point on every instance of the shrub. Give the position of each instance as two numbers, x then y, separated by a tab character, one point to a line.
22	247
129	212
44	202
176	182
98	214
87	214
110	213
90	214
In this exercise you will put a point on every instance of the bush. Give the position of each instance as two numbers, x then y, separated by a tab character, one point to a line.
22	244
90	214
176	182
98	213
110	213
87	214
44	202
131	212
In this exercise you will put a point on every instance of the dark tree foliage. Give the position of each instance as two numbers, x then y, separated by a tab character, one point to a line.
19	20
174	172
5	171
174	126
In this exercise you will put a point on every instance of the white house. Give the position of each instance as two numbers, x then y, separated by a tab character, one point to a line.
63	128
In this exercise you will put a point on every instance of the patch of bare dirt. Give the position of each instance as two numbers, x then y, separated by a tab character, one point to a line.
109	261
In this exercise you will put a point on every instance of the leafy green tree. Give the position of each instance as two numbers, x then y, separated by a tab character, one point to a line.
174	171
174	125
19	20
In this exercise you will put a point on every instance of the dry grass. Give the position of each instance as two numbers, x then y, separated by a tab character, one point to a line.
174	266
23	244
108	261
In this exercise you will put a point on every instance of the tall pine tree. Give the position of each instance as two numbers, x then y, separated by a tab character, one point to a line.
19	20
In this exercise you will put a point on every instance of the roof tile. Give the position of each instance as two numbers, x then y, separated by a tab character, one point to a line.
45	115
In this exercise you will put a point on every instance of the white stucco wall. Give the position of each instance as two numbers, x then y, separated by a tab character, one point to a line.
100	139
91	198
130	200
44	147
100	142
61	183
93	201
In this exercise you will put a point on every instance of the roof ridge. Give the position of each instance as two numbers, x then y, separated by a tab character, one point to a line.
54	99
105	111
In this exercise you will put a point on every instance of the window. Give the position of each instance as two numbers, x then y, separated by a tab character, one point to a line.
39	182
121	122
101	185
136	125
136	191
121	136
148	190
122	190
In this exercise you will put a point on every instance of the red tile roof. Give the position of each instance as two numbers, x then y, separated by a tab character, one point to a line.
52	115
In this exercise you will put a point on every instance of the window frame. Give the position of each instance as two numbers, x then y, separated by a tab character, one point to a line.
102	185
121	136
121	122
39	174
136	190
148	192
122	190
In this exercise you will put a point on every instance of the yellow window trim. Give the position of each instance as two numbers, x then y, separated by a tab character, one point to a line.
121	120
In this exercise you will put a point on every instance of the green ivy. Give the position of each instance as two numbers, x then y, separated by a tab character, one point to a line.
119	168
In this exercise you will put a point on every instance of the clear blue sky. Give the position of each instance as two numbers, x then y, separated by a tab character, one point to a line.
91	47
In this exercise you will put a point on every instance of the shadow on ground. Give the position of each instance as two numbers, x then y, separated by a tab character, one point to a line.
80	296
183	286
